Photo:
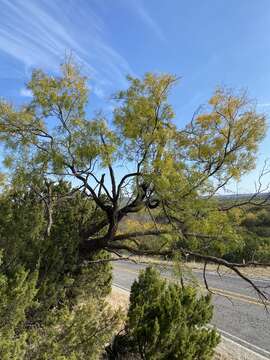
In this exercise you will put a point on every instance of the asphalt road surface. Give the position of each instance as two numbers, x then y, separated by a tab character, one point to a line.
238	314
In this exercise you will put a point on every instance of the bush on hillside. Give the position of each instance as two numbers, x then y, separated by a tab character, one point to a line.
52	306
166	321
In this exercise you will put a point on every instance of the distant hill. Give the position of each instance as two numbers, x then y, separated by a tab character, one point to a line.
239	197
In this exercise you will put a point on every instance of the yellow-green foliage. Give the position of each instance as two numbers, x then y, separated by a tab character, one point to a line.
53	131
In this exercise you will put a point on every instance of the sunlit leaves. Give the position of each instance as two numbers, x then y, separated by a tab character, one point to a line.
223	139
172	166
52	129
144	116
64	94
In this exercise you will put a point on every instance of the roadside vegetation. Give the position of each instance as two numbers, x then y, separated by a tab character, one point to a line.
74	192
165	321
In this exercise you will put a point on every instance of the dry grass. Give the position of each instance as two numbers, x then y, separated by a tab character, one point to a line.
221	356
118	298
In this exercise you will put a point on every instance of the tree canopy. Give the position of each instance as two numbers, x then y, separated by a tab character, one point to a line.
140	160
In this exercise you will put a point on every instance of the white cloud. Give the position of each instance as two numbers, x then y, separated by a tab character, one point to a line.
26	92
39	33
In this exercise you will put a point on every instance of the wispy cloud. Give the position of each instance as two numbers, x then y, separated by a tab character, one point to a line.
39	33
144	15
266	104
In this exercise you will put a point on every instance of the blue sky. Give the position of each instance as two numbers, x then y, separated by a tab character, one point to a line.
207	43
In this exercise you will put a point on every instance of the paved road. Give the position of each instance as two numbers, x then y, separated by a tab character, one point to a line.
239	316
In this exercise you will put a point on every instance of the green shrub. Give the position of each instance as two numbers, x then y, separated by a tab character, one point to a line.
16	297
52	304
166	321
78	334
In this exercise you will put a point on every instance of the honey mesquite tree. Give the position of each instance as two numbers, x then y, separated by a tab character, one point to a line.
139	160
